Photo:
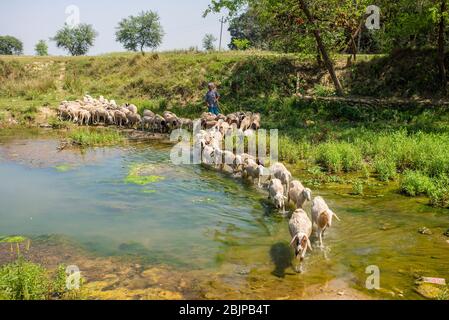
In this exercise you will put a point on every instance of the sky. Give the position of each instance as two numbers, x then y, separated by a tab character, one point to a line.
33	20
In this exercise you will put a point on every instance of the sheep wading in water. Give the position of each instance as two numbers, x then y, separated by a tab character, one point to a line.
282	187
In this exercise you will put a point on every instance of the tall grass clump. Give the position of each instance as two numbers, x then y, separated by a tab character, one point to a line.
91	138
414	183
23	280
337	157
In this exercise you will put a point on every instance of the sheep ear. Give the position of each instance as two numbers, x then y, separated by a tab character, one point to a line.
309	244
293	240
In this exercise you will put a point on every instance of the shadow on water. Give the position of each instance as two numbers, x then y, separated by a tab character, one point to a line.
281	256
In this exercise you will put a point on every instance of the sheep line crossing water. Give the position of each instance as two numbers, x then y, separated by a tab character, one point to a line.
282	188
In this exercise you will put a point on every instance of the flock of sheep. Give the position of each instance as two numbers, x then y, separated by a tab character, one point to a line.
91	111
282	189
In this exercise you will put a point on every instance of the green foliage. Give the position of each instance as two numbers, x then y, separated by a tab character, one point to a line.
139	32
41	48
90	138
10	46
385	167
339	157
241	44
76	40
358	188
23	281
208	42
414	183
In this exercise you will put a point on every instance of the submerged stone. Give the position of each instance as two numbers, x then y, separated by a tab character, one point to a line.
425	231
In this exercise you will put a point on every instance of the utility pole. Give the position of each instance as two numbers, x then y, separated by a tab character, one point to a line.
221	32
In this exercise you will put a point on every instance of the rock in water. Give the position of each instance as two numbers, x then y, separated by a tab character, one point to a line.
429	291
425	231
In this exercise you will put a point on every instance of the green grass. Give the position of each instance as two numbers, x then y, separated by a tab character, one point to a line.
92	137
386	143
23	280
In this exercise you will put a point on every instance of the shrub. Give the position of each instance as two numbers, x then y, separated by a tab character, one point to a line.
385	168
439	196
358	188
23	281
338	157
415	183
90	138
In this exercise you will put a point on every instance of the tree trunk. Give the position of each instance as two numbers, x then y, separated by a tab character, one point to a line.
441	45
320	44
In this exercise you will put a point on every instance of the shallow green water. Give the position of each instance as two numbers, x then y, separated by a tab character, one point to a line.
192	218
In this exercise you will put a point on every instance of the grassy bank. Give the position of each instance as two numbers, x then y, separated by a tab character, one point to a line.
331	140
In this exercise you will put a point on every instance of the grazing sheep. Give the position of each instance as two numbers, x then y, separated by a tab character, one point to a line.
84	117
245	124
253	171
134	120
298	194
276	194
322	217
120	118
147	122
255	122
132	108
208	155
279	171
300	228
159	124
148	113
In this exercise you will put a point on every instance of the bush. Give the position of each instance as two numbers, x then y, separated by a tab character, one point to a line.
23	281
338	157
415	183
385	168
439	196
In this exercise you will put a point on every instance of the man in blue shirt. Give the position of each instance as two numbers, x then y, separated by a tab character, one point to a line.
212	98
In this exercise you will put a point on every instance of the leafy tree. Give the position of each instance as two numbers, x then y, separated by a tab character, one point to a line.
76	40
249	26
142	31
41	48
241	44
10	46
208	42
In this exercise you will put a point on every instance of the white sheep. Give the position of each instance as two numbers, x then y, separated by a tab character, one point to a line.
276	194
300	228
254	171
298	194
322	217
279	171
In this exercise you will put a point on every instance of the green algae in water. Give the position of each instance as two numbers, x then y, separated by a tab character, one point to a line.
63	168
12	239
139	174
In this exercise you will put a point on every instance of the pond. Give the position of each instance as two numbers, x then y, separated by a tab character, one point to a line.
221	233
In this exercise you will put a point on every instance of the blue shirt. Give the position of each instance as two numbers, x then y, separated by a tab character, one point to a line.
212	98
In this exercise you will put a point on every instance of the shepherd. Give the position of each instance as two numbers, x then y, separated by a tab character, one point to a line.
212	98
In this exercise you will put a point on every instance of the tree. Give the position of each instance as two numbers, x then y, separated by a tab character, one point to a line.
76	40
10	46
142	31
442	44
208	42
324	54
41	48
